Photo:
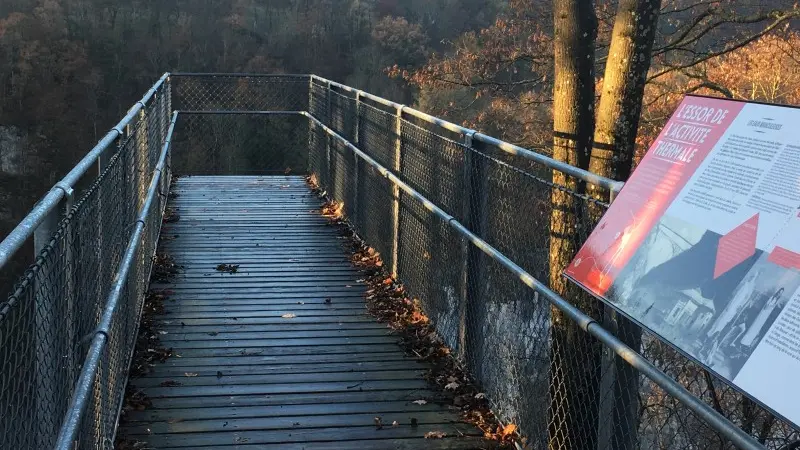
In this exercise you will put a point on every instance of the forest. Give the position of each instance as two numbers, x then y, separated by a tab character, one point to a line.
71	68
586	82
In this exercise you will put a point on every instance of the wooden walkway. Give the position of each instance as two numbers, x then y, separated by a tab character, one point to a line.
281	353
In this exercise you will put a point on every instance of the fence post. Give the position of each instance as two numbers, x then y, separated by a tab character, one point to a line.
356	214
398	149
467	295
328	122
311	124
619	384
142	152
45	332
69	286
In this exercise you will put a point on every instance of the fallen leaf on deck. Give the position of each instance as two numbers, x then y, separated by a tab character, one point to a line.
509	429
452	386
435	435
394	423
190	374
420	402
289	316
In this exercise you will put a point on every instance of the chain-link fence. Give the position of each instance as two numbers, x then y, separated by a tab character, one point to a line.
560	385
563	387
52	314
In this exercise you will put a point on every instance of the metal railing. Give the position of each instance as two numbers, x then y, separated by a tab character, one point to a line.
463	219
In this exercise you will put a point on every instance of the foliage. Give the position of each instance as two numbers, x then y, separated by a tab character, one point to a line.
71	68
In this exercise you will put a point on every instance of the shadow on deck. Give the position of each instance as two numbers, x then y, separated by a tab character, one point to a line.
282	352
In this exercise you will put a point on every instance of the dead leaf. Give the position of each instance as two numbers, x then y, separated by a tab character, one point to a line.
190	374
378	424
435	435
420	402
289	316
452	386
480	396
394	423
508	429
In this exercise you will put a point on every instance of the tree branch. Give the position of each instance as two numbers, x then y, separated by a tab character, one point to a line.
744	42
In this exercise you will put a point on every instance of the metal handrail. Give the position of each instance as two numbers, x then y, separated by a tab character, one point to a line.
48	204
607	183
80	397
51	201
710	415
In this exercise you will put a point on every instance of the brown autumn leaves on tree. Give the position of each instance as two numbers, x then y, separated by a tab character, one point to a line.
592	88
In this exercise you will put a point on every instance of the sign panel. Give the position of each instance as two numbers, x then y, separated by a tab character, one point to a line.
702	245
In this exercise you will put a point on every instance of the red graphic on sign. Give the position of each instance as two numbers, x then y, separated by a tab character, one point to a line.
785	258
676	154
736	246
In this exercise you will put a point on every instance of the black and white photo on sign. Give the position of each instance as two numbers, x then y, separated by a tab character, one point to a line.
746	319
669	286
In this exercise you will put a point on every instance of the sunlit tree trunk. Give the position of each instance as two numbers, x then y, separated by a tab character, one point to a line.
613	150
574	358
620	107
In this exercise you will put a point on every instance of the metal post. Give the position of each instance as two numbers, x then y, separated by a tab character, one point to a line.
311	124
167	118
328	167
466	295
356	214
398	149
45	332
619	382
142	152
69	286
476	216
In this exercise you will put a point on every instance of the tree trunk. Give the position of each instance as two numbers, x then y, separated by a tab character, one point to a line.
613	151
574	357
620	106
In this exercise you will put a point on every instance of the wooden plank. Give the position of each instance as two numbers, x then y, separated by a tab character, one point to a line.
237	412
177	426
303	398
450	443
272	343
265	360
161	371
231	379
282	353
252	437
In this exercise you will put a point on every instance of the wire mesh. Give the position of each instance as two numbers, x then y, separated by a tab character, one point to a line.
557	383
219	144
50	317
240	92
560	385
